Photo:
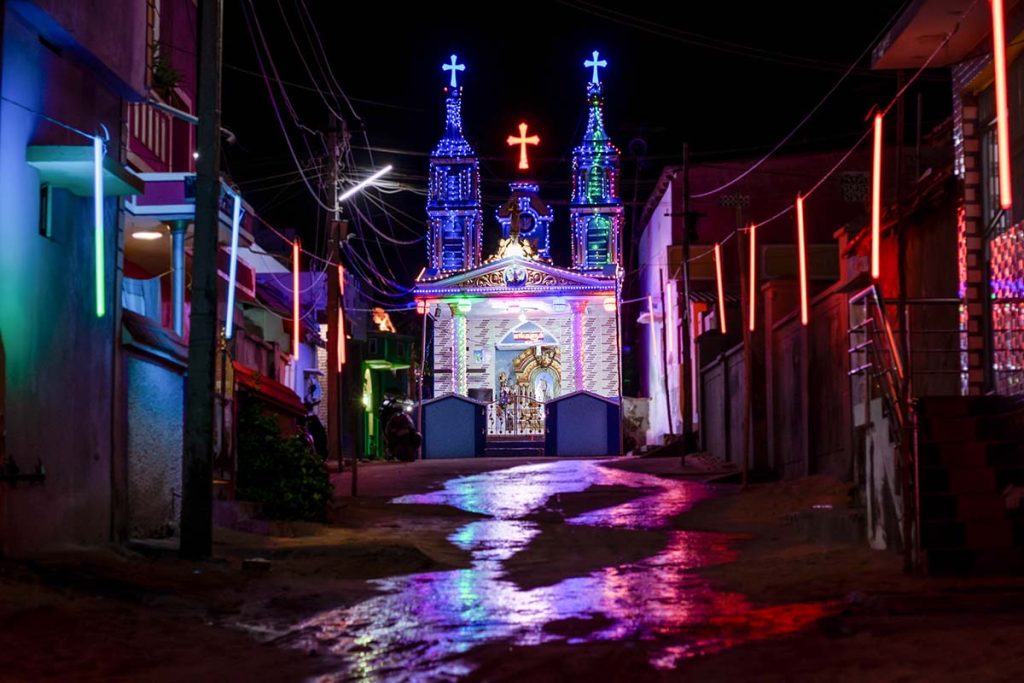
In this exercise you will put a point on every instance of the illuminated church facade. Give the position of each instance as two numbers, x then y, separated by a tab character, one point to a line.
512	329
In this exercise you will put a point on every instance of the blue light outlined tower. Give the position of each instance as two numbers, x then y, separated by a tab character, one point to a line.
595	210
455	219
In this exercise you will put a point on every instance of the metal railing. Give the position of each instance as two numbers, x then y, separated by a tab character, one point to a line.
874	353
515	415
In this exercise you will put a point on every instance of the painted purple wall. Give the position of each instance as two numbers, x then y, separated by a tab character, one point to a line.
111	30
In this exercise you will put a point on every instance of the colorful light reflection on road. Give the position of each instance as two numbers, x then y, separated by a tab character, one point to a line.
426	625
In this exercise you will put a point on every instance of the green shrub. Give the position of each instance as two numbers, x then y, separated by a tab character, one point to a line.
284	475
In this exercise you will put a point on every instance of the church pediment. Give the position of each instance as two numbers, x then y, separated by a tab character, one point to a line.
515	274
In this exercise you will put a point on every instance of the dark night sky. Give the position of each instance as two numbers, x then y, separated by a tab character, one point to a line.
525	62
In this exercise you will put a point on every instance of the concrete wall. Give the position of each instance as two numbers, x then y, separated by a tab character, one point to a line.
808	391
601	369
60	356
485	333
89	25
155	411
723	402
444	380
653	255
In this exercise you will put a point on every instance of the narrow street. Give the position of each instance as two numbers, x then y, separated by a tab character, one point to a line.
569	551
498	570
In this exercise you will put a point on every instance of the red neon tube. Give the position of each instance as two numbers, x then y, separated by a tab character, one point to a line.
752	323
802	251
876	200
721	289
1002	110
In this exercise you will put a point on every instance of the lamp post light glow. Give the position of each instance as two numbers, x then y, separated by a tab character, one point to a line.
876	200
229	311
356	188
802	253
97	218
1002	109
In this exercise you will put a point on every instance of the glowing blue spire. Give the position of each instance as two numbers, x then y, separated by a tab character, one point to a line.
453	143
455	67
595	212
453	191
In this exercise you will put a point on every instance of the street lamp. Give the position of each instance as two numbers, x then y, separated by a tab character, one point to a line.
360	185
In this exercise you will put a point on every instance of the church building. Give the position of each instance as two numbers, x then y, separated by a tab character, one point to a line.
512	329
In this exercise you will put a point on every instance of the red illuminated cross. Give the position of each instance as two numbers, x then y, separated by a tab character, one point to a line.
523	141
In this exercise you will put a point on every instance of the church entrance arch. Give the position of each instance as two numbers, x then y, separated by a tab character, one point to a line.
528	374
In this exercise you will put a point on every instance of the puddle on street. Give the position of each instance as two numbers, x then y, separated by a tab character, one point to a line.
424	626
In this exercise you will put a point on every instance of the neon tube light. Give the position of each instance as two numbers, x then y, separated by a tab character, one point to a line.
229	312
722	327
650	311
876	200
352	190
752	323
1002	110
97	222
295	299
802	251
522	141
341	316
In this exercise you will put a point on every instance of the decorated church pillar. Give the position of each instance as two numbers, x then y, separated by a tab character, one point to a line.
459	350
579	315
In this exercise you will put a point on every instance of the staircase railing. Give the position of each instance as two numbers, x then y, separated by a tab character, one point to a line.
875	355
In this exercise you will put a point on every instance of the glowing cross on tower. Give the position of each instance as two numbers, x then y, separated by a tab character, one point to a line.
454	67
596	64
523	141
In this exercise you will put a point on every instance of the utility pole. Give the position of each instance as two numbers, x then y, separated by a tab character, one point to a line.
197	462
334	317
345	382
910	483
689	224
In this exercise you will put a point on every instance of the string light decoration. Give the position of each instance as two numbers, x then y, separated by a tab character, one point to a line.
453	192
533	216
1002	108
595	211
802	255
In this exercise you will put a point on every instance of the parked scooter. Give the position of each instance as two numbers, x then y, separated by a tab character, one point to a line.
400	436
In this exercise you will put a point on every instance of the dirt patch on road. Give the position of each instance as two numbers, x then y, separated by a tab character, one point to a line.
563	551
